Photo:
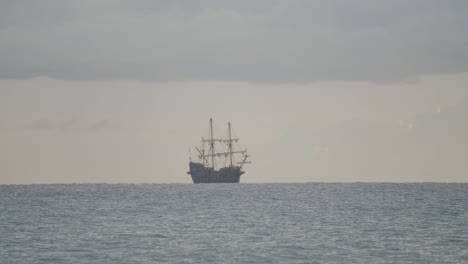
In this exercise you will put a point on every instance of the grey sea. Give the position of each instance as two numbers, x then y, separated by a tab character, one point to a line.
234	223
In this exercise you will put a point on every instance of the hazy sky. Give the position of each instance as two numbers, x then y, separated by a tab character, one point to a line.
117	91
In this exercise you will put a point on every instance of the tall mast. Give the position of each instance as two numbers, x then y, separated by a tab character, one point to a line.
212	143
203	150
230	143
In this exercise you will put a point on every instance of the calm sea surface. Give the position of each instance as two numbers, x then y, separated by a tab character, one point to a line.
234	223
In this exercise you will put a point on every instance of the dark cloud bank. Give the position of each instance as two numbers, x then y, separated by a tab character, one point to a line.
267	41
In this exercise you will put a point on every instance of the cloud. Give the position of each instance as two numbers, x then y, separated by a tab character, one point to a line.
103	125
265	41
48	125
70	125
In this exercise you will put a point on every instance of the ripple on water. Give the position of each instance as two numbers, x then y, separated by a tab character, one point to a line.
234	223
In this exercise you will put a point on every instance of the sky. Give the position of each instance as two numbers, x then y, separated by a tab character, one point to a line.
318	91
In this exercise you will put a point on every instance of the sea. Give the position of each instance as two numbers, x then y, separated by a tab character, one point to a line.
234	223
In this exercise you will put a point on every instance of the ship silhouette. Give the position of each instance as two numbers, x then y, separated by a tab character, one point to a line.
209	170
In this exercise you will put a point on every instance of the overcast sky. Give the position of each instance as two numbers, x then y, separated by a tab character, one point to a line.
117	91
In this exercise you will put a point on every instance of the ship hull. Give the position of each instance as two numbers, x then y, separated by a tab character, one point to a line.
202	174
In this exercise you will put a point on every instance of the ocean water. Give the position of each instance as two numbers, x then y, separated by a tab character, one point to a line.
234	223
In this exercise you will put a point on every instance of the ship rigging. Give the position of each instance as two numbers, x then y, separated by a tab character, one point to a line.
206	171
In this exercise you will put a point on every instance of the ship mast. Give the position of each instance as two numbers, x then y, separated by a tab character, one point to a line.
204	156
230	144
203	151
212	143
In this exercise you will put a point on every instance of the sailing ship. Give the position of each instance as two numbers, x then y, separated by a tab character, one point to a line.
218	167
